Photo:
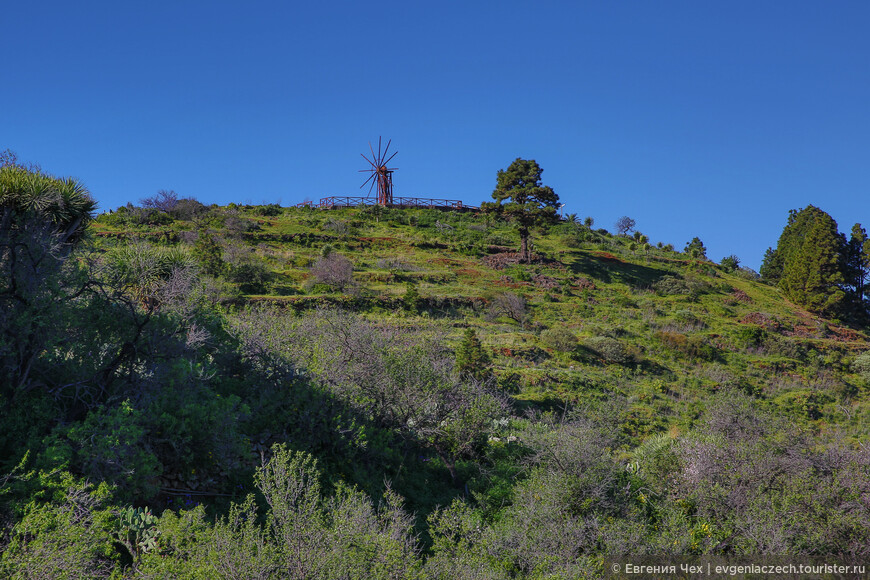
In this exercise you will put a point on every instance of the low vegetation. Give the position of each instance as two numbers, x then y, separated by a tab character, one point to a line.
256	391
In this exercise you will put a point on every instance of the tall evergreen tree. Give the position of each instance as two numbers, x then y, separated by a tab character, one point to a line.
812	253
858	262
771	266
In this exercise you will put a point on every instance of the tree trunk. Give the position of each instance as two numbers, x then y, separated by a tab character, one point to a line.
451	467
524	246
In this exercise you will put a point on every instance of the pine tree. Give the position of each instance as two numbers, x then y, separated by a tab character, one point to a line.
813	259
771	266
795	231
858	262
520	198
698	245
471	359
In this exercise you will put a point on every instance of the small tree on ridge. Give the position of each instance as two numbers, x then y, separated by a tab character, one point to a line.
520	198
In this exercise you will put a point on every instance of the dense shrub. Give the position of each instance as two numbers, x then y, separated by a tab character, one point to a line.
251	276
69	536
188	209
861	365
412	300
689	319
673	285
670	285
758	477
750	335
693	346
559	339
395	265
306	534
730	263
236	226
269	210
334	226
209	254
747	274
110	444
609	349
141	216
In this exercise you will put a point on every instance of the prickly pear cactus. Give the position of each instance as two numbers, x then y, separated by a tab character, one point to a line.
137	530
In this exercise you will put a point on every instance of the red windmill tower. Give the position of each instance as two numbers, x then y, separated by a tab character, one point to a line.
380	173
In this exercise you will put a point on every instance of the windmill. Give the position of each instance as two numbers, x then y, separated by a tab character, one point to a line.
380	173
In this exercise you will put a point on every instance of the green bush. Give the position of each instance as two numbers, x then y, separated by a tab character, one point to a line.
148	217
693	346
252	277
68	537
209	254
671	285
805	403
559	339
193	430
730	263
609	349
861	365
412	301
187	209
111	444
116	219
270	210
751	336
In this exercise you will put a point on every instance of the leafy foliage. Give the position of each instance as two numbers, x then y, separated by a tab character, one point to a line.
270	436
559	339
209	254
695	248
521	199
730	263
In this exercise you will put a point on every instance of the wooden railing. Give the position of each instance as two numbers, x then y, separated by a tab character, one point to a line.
426	202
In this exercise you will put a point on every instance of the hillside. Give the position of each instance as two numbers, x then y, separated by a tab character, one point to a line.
399	373
668	318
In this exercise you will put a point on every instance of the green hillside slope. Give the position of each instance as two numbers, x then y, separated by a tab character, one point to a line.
370	392
650	320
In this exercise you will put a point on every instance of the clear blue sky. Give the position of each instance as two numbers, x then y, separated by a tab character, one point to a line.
694	118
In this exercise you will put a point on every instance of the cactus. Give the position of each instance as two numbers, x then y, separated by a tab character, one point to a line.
137	530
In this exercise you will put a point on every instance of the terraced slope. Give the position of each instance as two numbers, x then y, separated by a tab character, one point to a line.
593	316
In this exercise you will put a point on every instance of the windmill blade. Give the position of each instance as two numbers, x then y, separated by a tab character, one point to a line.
379	149
391	157
367	180
387	148
372	163
373	153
